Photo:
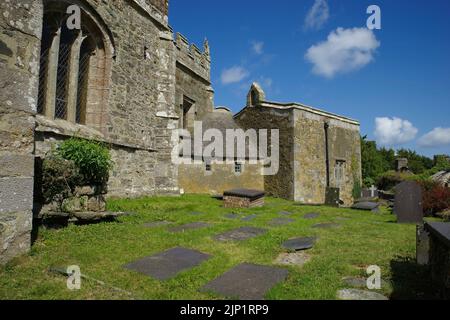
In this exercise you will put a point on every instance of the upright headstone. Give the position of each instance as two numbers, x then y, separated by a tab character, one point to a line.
371	192
332	197
408	202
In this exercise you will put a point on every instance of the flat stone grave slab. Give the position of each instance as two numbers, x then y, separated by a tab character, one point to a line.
357	282
327	225
156	224
233	216
298	244
311	215
281	221
190	226
196	213
367	206
285	213
297	259
249	218
240	234
168	264
247	281
356	294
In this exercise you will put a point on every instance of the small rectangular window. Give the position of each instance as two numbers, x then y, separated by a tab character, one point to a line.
208	167
238	167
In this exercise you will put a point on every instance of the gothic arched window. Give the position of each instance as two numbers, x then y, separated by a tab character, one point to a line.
75	66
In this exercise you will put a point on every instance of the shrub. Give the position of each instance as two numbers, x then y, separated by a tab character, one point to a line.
390	179
92	159
436	198
59	178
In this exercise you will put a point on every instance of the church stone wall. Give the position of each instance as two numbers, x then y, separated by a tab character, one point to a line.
310	156
282	184
20	32
193	178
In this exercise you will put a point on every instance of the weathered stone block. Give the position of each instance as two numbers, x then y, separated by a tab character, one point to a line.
16	194
12	165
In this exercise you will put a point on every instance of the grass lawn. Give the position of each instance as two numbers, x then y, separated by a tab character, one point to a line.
102	249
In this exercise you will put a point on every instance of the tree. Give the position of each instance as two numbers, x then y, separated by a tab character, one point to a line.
371	161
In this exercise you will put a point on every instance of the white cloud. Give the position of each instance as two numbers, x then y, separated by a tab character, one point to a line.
344	50
233	75
394	131
435	138
258	47
317	15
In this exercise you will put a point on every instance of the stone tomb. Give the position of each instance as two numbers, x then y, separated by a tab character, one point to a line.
190	226
240	234
247	282
298	244
168	264
243	198
367	206
408	202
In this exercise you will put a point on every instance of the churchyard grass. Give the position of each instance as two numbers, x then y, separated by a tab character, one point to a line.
101	250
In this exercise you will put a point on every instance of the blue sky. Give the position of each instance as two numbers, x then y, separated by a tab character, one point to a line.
320	53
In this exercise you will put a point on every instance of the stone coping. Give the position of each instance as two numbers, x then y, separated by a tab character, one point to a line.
299	106
69	129
245	193
440	230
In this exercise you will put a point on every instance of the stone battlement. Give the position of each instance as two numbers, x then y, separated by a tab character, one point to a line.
157	9
191	57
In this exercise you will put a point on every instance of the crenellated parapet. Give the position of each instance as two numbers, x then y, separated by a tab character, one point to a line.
193	58
157	9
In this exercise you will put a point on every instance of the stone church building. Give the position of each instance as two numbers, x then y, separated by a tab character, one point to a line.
127	79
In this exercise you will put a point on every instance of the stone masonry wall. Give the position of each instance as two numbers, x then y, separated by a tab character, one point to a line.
310	156
20	32
282	184
194	178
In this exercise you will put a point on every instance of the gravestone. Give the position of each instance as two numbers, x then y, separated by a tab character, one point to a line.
285	213
240	234
196	213
408	202
156	224
422	245
327	225
249	218
232	216
189	226
356	294
311	216
247	281
168	264
332	197
297	259
372	192
281	221
367	206
298	244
